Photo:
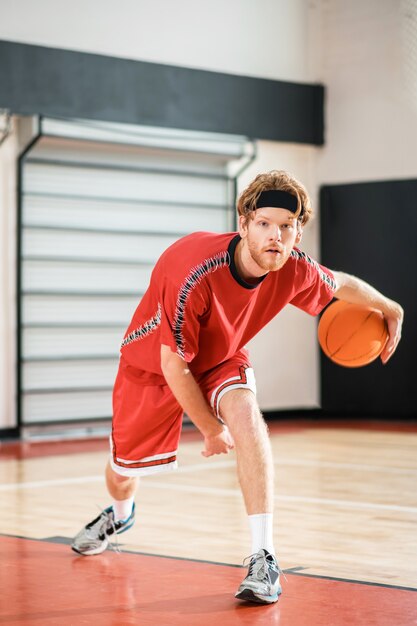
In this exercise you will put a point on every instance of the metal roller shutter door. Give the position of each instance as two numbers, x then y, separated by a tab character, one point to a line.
98	206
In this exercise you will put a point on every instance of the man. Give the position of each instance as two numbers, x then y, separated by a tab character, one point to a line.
209	294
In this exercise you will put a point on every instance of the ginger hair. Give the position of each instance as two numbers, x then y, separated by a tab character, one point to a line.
276	179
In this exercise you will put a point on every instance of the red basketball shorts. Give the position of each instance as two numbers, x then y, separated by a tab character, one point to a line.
147	419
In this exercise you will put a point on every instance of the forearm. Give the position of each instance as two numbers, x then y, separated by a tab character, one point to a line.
357	291
186	390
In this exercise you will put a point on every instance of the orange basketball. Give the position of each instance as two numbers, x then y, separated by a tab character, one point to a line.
352	335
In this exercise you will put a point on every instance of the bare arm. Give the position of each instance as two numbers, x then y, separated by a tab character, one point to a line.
357	291
217	438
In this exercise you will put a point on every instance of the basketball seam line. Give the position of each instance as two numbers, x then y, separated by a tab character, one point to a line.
332	354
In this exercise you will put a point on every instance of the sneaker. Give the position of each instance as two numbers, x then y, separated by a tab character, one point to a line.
94	538
262	582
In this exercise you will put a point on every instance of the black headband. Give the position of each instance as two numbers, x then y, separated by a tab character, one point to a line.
279	200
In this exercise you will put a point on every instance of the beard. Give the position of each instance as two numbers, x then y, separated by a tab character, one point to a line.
268	261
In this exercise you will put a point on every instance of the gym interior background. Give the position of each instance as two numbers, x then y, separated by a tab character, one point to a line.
106	119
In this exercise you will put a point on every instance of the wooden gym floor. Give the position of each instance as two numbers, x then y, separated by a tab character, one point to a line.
345	531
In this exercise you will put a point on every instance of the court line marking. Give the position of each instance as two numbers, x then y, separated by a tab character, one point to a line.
284	498
216	491
295	571
317	464
39	484
210	465
307	463
56	482
349	466
314	463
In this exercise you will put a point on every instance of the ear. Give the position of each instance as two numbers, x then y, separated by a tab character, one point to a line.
243	226
299	234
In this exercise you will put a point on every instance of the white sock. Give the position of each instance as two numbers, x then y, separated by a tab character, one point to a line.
261	532
122	508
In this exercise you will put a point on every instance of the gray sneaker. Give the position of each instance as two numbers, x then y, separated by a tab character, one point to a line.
94	538
262	582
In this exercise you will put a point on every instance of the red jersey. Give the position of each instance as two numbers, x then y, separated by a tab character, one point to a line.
199	306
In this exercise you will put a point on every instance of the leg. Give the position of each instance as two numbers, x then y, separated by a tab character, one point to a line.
138	411
120	487
116	519
239	409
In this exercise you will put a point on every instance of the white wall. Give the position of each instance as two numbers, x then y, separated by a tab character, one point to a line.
365	52
265	38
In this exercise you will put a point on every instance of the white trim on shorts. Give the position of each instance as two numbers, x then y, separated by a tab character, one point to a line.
250	384
132	472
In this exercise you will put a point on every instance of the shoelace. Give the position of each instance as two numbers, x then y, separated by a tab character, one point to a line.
261	561
257	565
109	521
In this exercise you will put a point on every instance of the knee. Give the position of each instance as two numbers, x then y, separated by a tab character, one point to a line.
122	480
118	479
240	410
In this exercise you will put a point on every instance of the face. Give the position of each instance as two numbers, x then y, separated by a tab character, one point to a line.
268	238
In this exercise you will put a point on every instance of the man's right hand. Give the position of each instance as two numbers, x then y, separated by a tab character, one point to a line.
220	443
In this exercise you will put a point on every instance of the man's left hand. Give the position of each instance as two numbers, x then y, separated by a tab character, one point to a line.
394	321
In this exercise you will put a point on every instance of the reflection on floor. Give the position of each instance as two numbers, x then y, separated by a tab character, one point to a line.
45	584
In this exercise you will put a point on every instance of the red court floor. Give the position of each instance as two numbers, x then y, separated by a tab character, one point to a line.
43	584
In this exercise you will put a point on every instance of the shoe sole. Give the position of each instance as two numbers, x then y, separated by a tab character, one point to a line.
90	552
249	596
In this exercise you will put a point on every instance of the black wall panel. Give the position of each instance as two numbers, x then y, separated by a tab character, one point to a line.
35	80
370	230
